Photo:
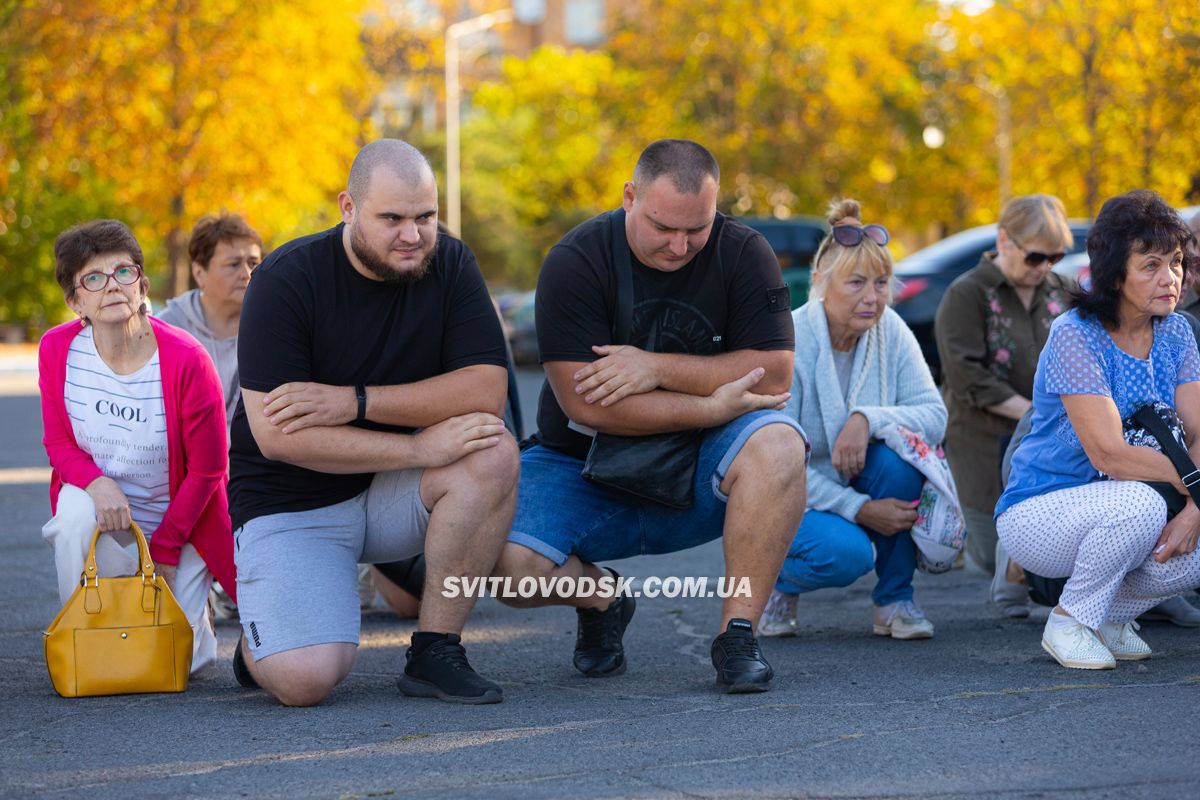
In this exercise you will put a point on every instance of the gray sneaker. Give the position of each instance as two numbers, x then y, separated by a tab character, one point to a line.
779	617
902	620
1177	611
1011	599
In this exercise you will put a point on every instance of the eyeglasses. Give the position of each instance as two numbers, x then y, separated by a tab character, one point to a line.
1034	258
125	274
852	235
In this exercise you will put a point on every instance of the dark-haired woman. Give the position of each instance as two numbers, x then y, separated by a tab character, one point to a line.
1077	502
134	427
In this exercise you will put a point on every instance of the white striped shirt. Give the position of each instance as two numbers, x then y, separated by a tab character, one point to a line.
120	420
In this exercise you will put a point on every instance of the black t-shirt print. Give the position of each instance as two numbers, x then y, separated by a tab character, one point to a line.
310	316
725	299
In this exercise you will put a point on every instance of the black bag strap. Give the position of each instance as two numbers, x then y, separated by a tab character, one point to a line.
623	272
1149	419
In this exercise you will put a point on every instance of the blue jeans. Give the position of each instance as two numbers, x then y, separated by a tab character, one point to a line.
560	514
830	550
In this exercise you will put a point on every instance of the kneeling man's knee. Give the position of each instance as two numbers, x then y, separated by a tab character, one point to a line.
498	466
298	678
777	453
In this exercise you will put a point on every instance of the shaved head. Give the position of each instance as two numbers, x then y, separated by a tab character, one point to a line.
686	163
404	161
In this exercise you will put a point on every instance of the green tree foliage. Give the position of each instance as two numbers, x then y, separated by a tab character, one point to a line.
547	147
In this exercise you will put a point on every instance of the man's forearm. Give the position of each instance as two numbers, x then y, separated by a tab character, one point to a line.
702	375
418	405
652	412
342	450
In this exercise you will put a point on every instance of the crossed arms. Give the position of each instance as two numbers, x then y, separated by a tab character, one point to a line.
633	392
305	424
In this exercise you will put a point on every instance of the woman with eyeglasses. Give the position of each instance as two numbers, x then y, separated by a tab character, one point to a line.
133	421
857	369
1088	495
990	327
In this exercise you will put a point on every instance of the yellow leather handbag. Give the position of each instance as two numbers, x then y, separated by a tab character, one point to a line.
123	635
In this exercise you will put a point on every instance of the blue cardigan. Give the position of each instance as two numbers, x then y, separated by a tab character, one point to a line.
889	382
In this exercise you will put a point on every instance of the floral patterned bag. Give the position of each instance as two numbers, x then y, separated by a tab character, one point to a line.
940	530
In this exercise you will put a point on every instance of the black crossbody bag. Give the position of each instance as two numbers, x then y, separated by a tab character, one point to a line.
660	467
1150	425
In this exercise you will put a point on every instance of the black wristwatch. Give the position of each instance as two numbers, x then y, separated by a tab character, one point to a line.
361	392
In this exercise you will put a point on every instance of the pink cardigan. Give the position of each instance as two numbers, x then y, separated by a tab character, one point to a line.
196	440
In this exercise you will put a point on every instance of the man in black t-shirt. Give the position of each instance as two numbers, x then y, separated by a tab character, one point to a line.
373	374
710	347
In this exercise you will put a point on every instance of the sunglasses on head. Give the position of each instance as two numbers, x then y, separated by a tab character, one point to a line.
1034	258
852	235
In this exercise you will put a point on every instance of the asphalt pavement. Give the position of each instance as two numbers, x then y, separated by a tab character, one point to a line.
979	711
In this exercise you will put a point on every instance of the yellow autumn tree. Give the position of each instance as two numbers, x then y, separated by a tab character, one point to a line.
1093	97
185	107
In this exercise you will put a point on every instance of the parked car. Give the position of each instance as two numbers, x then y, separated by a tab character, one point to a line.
516	309
795	241
922	278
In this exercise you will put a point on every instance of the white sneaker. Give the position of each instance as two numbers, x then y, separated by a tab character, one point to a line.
903	620
220	606
779	617
1076	646
366	587
1123	642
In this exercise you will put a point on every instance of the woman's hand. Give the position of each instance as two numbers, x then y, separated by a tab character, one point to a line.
112	506
1179	536
849	453
888	516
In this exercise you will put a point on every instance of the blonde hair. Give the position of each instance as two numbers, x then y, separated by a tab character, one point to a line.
834	261
1037	216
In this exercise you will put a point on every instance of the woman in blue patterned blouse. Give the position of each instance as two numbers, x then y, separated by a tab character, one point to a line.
1078	502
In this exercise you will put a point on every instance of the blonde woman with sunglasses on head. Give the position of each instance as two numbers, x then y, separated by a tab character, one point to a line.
857	369
134	428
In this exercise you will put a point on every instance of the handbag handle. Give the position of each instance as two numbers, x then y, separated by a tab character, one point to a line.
145	566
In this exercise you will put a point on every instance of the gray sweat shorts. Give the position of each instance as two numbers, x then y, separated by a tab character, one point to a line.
297	572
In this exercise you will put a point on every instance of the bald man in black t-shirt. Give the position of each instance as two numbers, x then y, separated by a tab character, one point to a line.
373	376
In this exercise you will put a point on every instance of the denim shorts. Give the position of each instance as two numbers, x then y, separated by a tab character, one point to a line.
298	571
559	513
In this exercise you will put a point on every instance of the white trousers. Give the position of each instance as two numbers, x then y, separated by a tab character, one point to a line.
1102	535
69	533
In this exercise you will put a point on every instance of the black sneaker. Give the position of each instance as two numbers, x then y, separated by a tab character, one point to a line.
240	670
739	662
599	652
441	670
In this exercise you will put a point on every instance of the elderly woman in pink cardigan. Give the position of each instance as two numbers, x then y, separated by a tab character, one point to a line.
134	427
